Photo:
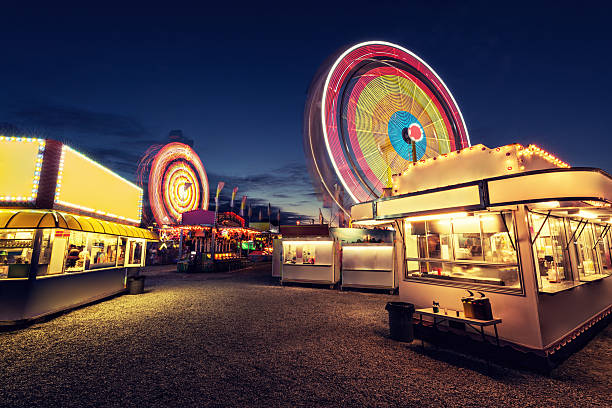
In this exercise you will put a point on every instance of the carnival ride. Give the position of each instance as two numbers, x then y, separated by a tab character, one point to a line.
176	179
372	111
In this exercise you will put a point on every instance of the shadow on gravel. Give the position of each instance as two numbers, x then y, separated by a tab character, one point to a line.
30	324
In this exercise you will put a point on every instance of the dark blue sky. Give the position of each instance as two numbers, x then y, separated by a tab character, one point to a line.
112	79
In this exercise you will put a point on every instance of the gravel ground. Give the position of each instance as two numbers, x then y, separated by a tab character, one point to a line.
239	339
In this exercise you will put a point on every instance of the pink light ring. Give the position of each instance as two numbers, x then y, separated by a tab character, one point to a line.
341	164
339	71
394	51
354	188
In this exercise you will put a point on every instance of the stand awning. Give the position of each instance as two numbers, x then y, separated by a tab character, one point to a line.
35	219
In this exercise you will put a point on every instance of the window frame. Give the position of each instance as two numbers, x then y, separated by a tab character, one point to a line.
471	285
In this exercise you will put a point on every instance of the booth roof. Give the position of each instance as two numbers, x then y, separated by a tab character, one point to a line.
28	218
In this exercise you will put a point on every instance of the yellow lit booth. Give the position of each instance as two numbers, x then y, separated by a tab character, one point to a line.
68	229
513	222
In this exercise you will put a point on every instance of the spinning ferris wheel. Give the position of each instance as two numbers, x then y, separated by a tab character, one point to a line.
371	111
177	181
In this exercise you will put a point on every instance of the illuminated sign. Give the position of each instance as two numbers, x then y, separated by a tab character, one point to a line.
85	185
20	163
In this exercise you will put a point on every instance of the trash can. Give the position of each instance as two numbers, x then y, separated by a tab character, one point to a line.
400	321
182	267
135	285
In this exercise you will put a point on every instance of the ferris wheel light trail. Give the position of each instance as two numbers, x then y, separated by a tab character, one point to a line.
376	109
177	183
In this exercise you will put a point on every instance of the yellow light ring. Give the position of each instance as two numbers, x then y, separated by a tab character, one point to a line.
174	167
179	175
180	198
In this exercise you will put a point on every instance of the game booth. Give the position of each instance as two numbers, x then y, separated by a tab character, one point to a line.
65	237
206	248
515	223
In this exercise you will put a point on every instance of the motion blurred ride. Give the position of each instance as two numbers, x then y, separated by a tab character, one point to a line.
372	110
68	229
513	222
176	206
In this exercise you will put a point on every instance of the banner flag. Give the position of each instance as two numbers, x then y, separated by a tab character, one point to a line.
219	188
234	191
242	205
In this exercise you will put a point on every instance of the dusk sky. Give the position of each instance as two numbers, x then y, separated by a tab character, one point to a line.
111	80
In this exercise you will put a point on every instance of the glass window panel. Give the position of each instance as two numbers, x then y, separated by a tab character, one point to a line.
550	252
586	255
458	245
103	251
497	242
135	253
468	246
15	253
603	249
77	255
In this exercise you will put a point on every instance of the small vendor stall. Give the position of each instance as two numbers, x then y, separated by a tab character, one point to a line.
368	266
65	238
514	223
310	255
368	257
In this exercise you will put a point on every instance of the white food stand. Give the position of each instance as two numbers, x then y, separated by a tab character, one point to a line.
514	223
311	260
368	265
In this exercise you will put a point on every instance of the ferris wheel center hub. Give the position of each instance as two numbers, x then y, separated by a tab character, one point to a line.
412	133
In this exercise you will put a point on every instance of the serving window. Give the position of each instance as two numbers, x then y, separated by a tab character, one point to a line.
15	253
65	251
550	250
592	250
308	252
134	253
103	251
479	249
557	240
